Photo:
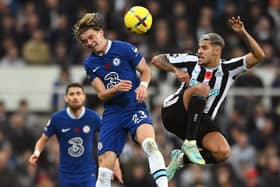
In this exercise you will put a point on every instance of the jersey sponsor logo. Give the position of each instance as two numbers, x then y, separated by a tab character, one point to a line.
65	130
95	69
86	129
77	148
116	61
113	78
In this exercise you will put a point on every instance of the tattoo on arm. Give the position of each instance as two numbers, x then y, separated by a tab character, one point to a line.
164	63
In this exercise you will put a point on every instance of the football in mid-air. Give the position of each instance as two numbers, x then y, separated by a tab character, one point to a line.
138	20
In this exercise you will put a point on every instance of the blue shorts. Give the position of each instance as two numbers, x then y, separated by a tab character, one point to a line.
114	129
91	182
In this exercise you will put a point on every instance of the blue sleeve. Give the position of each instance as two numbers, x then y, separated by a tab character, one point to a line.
133	55
49	129
98	123
90	74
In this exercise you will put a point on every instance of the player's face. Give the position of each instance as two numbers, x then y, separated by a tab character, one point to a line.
93	39
206	53
75	98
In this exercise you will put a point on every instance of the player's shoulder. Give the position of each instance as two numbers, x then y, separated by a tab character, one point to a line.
58	115
119	44
92	113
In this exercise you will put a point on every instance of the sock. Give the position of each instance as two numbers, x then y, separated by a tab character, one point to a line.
207	155
104	177
195	109
156	162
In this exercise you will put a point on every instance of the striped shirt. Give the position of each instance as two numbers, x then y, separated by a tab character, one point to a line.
219	78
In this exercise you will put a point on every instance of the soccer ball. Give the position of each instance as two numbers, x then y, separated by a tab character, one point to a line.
138	20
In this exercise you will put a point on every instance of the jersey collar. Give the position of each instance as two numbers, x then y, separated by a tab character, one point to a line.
68	111
109	44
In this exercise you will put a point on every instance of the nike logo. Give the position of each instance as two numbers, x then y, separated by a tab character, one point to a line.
65	130
95	69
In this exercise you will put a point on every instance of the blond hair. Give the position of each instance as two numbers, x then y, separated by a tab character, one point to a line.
89	20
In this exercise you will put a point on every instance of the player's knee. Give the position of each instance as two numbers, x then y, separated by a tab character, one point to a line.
222	153
149	145
202	89
107	160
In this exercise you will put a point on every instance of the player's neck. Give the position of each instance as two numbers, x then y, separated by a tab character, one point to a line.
76	112
103	50
213	63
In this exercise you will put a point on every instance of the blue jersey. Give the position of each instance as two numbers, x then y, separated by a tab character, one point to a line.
118	63
76	140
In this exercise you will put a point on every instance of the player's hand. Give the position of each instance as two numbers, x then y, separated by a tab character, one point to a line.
33	159
237	25
124	86
141	93
182	76
117	172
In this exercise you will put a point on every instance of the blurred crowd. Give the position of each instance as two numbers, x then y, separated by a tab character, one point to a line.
40	33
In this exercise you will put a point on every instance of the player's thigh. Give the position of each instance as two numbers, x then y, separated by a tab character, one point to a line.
144	131
91	182
215	142
112	135
175	116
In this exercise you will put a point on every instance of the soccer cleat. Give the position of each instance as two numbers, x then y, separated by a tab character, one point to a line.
175	163
191	151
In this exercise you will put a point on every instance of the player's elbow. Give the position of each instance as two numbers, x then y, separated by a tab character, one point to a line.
155	61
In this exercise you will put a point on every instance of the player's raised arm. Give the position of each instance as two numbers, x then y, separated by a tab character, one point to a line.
257	54
161	61
39	147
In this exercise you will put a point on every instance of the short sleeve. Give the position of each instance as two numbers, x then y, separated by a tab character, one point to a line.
49	129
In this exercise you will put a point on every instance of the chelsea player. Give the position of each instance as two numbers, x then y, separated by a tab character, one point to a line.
74	128
111	68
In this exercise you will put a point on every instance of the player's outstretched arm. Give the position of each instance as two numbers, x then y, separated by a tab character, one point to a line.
39	147
162	62
257	54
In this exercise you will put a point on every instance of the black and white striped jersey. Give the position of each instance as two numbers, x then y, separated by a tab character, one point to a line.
219	78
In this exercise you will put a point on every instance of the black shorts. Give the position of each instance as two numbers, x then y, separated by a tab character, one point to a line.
175	120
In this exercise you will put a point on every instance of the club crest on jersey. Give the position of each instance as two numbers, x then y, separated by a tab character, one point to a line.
116	61
86	129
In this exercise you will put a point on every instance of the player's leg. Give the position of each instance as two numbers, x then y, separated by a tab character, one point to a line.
106	163
194	99
89	183
145	136
215	148
110	144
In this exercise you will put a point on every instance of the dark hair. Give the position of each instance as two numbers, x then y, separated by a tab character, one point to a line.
73	85
214	39
89	20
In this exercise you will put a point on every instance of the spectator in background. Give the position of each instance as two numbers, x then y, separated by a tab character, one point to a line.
243	154
8	177
36	51
12	58
64	78
31	120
